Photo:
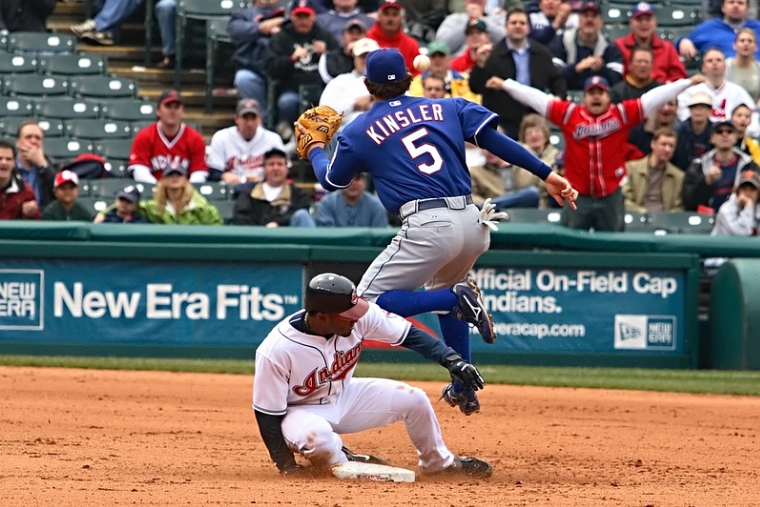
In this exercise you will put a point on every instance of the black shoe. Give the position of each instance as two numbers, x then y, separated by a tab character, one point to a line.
472	309
466	400
363	458
473	467
167	63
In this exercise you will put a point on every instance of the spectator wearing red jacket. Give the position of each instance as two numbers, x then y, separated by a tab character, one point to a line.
667	64
388	32
16	197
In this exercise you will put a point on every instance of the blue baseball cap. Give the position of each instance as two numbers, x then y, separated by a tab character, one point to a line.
385	66
596	82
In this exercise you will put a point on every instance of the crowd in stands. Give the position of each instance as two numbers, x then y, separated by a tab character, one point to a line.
647	122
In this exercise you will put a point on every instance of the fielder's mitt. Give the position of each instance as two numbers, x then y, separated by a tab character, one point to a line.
321	122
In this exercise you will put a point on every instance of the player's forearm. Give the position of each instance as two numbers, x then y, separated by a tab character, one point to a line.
427	346
657	97
527	95
270	427
319	162
511	151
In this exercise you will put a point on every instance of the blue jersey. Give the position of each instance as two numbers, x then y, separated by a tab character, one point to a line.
413	147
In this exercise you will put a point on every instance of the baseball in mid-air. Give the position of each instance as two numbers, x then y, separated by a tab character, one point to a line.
421	63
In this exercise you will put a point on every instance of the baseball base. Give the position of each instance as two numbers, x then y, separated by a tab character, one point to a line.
372	472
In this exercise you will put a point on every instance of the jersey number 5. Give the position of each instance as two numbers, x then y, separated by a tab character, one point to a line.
416	151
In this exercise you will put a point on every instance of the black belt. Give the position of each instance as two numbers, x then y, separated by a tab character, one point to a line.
437	203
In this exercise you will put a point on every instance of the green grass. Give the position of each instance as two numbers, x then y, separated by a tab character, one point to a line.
687	381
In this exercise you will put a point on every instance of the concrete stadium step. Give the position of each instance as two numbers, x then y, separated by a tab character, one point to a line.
116	54
163	77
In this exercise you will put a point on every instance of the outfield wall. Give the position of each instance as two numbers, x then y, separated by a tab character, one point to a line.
558	296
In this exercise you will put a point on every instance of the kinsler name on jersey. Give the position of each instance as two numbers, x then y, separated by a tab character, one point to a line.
392	123
343	362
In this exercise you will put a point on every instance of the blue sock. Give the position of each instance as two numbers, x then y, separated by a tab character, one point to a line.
407	303
456	334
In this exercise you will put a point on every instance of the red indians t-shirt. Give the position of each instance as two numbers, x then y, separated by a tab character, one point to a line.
595	146
152	149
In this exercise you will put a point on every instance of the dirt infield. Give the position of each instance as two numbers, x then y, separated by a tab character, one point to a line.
106	438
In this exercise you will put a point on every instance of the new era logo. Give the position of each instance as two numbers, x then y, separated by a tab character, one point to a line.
629	332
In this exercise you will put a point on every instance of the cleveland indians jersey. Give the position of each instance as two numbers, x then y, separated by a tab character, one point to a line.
295	368
595	145
229	151
152	149
412	147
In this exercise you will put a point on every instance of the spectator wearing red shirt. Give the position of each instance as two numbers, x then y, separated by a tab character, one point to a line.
667	65
475	35
594	133
16	197
388	32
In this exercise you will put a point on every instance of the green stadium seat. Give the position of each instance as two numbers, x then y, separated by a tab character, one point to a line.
17	64
686	222
103	87
137	126
615	14
67	108
225	210
214	191
13	106
96	129
200	10
528	215
93	204
41	43
575	96
73	65
51	127
637	222
65	149
106	188
117	168
676	15
216	34
129	110
32	85
115	149
557	140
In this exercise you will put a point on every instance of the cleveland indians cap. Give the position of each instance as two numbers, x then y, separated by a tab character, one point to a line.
301	7
331	293
590	6
66	176
596	82
170	96
642	9
248	106
751	178
129	193
385	66
390	4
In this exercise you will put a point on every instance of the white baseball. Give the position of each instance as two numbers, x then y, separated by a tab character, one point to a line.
421	63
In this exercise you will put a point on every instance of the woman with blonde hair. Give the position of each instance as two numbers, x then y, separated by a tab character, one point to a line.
743	69
534	135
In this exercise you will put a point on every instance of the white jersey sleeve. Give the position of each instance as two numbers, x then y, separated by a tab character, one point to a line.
382	326
273	371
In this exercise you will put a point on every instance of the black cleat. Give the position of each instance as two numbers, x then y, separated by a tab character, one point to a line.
363	458
472	309
466	400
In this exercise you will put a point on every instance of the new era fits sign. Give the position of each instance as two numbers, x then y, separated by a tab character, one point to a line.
645	332
21	297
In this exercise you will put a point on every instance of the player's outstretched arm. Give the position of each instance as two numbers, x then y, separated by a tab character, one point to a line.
657	97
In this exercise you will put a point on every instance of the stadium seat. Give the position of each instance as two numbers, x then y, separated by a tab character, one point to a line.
115	149
225	210
17	64
117	168
557	140
676	32
637	222
676	15
216	34
51	127
41	43
527	215
103	87
12	106
32	85
309	95
95	129
137	126
106	188
613	33
615	14
94	204
67	108
203	10
214	191
65	149
73	65
575	96
129	110
685	222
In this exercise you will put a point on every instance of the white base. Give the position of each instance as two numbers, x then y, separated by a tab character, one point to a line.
372	472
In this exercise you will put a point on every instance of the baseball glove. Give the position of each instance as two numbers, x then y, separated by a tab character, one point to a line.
321	122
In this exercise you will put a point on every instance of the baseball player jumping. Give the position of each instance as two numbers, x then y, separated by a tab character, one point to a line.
305	396
414	149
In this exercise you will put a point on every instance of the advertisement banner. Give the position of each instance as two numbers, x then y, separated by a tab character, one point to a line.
584	310
182	303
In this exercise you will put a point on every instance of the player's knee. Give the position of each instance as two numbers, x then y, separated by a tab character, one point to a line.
324	448
411	399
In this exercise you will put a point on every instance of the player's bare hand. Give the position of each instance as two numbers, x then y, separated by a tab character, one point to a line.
697	79
319	46
495	83
29	209
559	188
687	49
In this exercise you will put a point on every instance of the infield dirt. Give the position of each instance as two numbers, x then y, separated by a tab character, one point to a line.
108	438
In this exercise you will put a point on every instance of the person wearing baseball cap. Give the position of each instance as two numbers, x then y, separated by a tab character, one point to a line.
65	206
457	85
125	209
235	154
585	51
666	64
475	36
739	216
695	132
168	139
453	28
388	31
344	16
347	93
341	60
